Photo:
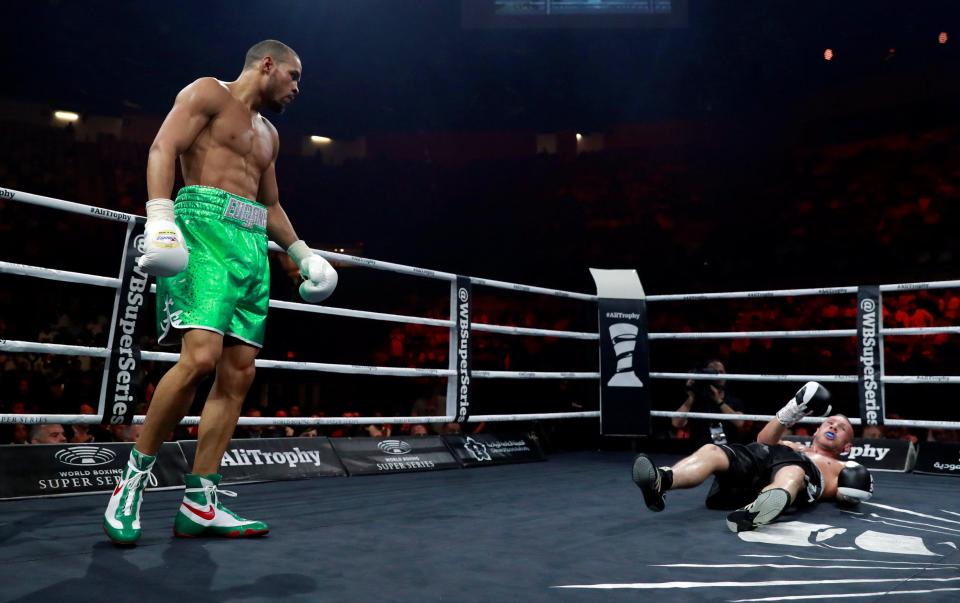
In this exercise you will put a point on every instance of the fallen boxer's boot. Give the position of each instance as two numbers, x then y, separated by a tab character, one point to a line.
767	507
653	481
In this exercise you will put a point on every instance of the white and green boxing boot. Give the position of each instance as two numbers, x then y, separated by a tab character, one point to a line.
121	521
202	514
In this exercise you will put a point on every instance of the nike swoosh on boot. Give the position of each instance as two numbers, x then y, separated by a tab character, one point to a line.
208	515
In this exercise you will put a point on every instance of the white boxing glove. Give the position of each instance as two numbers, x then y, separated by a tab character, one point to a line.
320	278
164	252
812	399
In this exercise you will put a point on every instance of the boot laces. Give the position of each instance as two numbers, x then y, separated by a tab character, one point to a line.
135	483
211	493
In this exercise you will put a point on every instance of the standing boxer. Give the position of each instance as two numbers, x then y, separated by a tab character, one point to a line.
209	252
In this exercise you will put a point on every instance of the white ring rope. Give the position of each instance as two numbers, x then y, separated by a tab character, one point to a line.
506	330
70	206
29	419
116	216
103	281
757	377
758	334
112	282
532	375
897	379
811	334
63	276
752	294
333	311
10	345
430	322
802	292
738	417
35	347
106	281
808	420
33	419
531	289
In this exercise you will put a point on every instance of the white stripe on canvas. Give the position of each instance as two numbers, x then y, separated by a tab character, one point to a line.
911	568
733	584
801	558
845	595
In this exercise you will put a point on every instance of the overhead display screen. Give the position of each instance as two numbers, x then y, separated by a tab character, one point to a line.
573	13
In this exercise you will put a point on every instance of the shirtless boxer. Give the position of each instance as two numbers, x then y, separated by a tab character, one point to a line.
209	252
772	473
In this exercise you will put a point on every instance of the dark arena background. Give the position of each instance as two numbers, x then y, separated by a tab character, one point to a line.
566	232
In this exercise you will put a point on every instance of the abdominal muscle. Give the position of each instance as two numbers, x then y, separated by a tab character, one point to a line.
235	168
223	169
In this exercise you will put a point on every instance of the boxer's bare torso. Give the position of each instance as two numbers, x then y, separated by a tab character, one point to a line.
217	131
234	148
829	466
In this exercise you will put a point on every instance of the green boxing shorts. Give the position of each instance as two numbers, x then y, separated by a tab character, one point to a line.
226	285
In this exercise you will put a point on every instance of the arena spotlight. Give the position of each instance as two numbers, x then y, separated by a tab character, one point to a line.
579	136
320	140
828	54
66	116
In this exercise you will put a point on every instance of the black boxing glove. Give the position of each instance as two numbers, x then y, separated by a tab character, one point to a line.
855	484
812	399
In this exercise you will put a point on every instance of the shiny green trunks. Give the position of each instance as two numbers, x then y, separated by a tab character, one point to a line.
226	285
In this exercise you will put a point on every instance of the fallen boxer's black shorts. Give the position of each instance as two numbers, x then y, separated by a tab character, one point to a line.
752	467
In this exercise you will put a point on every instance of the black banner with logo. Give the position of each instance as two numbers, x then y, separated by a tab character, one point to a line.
870	355
371	456
63	469
624	367
942	458
876	455
464	314
270	459
121	384
476	449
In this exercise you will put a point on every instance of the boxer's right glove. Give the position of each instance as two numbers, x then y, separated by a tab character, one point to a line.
812	399
854	484
164	252
320	278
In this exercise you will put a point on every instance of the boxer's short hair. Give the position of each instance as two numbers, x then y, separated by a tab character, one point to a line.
268	48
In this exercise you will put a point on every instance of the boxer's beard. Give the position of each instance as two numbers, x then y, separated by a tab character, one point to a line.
272	103
274	106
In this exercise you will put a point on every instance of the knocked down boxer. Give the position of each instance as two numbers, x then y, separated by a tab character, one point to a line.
762	479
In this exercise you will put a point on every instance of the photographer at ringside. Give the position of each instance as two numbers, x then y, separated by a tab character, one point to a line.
710	395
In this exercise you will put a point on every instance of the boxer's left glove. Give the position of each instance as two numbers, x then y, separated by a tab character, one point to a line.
812	399
320	279
164	252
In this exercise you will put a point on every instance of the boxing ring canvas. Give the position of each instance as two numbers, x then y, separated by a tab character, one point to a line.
571	529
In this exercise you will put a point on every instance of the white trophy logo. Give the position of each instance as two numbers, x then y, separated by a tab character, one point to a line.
624	337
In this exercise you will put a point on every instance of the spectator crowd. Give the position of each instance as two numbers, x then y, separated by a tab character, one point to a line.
865	211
